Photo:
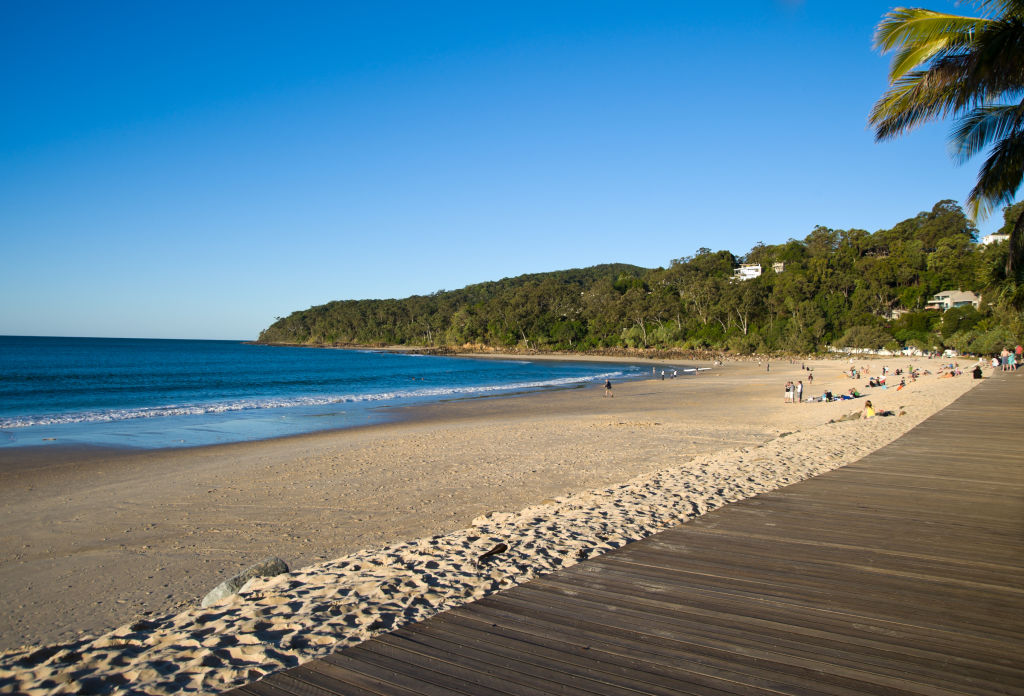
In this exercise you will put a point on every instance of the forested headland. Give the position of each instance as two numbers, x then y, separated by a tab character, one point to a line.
833	288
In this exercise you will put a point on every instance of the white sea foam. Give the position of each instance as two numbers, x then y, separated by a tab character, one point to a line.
112	415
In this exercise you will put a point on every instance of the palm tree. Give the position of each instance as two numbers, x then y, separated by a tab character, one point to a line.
970	69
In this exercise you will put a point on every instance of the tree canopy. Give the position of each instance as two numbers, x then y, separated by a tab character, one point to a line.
832	286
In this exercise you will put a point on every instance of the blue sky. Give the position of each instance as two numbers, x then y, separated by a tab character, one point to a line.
194	170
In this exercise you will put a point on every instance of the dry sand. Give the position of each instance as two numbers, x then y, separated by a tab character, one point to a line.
96	540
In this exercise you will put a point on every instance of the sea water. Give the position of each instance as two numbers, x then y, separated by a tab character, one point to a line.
152	393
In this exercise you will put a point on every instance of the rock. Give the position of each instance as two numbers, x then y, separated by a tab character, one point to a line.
267	568
499	548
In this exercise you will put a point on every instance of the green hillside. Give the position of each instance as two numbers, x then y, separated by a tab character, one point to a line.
835	287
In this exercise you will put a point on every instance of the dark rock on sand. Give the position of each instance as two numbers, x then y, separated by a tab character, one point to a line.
267	568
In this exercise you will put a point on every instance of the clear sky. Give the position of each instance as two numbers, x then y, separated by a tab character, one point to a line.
196	169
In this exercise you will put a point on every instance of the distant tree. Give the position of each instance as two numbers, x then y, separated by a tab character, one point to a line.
870	337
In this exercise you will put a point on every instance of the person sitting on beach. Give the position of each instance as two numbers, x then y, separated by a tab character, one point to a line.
854	393
869	410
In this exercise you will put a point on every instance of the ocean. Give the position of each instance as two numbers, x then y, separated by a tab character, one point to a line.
155	393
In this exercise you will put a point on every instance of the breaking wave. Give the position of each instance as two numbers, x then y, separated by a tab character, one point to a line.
198	409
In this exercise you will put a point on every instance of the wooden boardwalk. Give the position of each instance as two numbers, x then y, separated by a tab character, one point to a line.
900	574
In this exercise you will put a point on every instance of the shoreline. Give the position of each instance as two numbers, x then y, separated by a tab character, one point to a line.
40	455
174	524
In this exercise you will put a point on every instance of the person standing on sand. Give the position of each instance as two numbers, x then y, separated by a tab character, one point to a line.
799	391
608	388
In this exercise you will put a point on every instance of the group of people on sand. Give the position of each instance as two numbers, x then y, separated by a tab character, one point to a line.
794	392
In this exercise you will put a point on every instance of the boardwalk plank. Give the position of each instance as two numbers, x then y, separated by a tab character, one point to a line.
672	651
832	644
393	677
986	649
636	659
771	657
551	666
501	678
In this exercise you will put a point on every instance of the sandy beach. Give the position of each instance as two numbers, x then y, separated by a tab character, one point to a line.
106	555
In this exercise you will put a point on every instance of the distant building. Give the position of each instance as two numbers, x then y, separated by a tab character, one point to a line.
747	271
779	266
898	312
948	299
993	238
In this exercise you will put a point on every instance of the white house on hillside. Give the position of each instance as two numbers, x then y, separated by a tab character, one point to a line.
747	271
993	238
948	299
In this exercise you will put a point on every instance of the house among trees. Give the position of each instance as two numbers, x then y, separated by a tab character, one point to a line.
993	238
949	299
747	271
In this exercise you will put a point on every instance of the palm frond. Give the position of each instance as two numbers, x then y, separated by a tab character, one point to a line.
983	126
997	58
918	36
1005	8
999	178
919	97
949	65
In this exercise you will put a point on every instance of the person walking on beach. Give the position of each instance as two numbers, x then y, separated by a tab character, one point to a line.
608	388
